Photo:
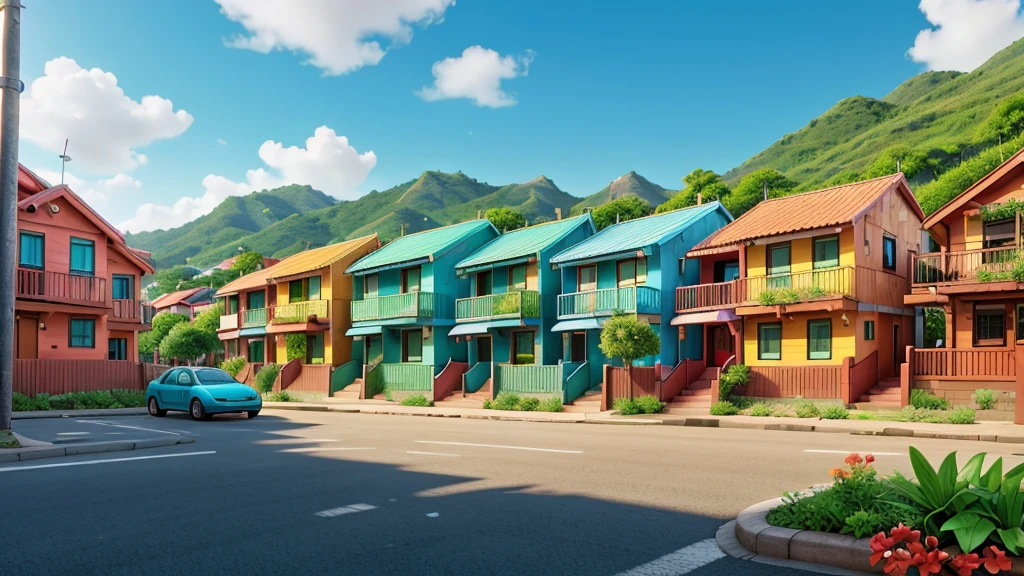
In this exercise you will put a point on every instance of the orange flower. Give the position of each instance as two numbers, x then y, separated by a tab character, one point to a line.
996	560
869	458
838	473
853	459
898	563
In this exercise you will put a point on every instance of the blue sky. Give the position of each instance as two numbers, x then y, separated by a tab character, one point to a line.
599	89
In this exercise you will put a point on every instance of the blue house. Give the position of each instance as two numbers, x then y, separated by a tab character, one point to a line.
633	267
404	306
512	299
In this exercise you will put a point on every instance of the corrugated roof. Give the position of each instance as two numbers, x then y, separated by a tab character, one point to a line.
251	281
317	258
524	242
808	211
175	297
418	246
636	234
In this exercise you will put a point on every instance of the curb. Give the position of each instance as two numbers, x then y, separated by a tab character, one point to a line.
32	415
40	452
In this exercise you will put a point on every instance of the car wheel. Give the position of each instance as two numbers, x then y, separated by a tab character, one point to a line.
196	410
253	413
154	409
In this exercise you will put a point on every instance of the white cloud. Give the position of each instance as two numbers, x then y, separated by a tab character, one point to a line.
94	193
222	142
339	36
105	127
328	163
476	75
966	33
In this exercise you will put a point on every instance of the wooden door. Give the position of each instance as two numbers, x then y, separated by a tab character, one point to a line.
27	336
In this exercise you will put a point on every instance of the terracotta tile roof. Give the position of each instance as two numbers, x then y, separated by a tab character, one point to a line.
807	211
318	258
175	297
227	264
251	281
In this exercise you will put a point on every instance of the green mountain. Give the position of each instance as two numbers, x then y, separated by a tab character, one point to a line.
629	184
235	217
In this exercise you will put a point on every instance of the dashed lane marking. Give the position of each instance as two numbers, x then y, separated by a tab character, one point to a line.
101	423
319	449
848	451
106	461
682	561
350	509
503	447
430	453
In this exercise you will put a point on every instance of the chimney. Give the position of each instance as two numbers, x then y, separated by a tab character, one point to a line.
700	198
558	213
479	214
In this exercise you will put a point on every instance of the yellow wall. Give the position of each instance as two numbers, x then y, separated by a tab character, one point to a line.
794	339
974	237
801	254
756	265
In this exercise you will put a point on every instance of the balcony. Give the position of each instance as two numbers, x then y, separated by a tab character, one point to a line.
229	322
60	287
126	310
409	305
635	299
965	266
255	317
790	289
300	312
519	304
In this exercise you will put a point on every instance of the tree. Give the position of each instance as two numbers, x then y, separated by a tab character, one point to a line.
248	262
898	158
188	342
295	347
620	209
505	219
1005	122
162	324
750	190
209	320
705	182
627	337
934	327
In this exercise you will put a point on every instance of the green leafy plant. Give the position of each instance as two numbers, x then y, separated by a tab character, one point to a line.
188	342
807	409
233	365
924	399
762	409
524	359
723	408
628	338
962	415
528	404
80	400
416	400
551	404
735	375
505	401
984	398
626	406
835	413
388	396
282	396
264	380
649	404
295	346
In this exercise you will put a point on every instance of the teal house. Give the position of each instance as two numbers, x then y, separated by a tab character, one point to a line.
512	301
404	306
633	267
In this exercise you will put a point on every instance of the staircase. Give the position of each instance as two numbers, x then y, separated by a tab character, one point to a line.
697	396
589	402
471	400
350	392
884	396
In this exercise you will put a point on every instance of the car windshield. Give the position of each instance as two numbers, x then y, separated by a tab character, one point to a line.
214	376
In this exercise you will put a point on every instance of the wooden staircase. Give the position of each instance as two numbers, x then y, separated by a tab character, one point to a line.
884	396
350	392
697	396
458	399
589	402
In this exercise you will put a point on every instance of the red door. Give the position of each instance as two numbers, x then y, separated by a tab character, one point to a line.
720	345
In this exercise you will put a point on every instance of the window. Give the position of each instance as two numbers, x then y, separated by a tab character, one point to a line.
726	271
256	351
482	283
122	287
255	300
169	377
888	252
83	257
410	280
30	253
412	344
989	325
769	341
82	333
1020	321
819	339
371	284
184	378
869	329
826	252
522	348
517	278
315	348
117	349
295	291
231	305
214	376
632	272
313	288
587	278
999	233
778	266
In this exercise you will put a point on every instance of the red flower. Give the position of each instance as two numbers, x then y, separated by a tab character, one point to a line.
853	459
931	542
996	560
930	563
905	534
868	458
965	564
879	545
897	563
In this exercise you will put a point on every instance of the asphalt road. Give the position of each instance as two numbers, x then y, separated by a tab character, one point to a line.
318	493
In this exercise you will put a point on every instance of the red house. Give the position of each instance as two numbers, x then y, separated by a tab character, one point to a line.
77	283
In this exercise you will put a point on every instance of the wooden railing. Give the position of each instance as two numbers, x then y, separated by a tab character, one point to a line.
962	266
405	376
639	299
793	381
780	289
518	304
126	310
955	364
710	296
229	322
863	377
60	287
577	380
408	305
298	312
255	317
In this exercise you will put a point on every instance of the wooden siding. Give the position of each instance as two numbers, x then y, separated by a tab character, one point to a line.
32	377
794	338
645	381
311	378
792	381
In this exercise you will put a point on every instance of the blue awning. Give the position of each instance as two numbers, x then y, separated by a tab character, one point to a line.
254	331
482	327
581	324
363	331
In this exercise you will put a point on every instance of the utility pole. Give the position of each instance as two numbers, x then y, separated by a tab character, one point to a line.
10	97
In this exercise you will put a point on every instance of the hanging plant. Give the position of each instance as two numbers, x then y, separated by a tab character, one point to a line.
1004	211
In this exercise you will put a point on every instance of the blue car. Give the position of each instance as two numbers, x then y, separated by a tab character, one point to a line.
202	392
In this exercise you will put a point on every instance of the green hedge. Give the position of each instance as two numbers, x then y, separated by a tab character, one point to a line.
80	400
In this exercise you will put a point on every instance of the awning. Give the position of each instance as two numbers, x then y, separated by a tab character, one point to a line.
705	317
254	331
482	327
228	335
363	331
581	324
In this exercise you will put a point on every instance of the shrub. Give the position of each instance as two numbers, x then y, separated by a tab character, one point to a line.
513	401
985	399
488	404
505	401
761	409
835	413
264	379
552	404
924	399
528	404
807	409
282	396
388	396
961	415
23	403
80	400
723	409
626	406
648	404
295	346
736	375
233	365
416	400
524	359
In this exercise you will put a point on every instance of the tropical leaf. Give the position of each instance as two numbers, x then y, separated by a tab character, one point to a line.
970	530
1012	539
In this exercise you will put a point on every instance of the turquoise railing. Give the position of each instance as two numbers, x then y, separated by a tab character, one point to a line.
406	376
577	381
518	304
637	299
528	379
476	376
408	305
345	374
254	317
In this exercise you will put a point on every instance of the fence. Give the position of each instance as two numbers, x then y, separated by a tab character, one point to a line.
32	377
61	287
517	304
793	381
527	379
963	265
311	378
642	299
964	363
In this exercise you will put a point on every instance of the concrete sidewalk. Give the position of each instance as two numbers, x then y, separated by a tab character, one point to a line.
30	415
35	450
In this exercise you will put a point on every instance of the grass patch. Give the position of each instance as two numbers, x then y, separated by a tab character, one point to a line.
761	410
642	405
724	409
416	400
282	396
80	400
807	409
514	402
926	400
7	440
959	415
835	413
552	404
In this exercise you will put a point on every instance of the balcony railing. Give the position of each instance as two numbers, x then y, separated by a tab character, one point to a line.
299	312
409	305
637	299
255	317
61	287
126	310
773	290
964	266
519	304
710	296
229	322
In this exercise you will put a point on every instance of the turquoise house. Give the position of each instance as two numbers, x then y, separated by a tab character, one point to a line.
404	306
512	301
633	267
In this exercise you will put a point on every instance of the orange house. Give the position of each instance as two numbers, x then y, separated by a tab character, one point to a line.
77	284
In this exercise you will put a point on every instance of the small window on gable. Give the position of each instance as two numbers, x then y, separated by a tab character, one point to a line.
888	252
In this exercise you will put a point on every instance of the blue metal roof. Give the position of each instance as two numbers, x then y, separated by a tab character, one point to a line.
523	242
418	246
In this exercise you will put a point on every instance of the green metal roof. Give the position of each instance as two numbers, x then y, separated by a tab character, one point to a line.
524	242
636	234
418	246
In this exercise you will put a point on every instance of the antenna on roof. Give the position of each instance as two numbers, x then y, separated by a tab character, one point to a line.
899	166
64	159
765	188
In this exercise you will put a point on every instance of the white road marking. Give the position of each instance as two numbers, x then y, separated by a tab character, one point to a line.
115	433
433	515
128	427
431	453
73	433
500	446
351	508
848	451
318	449
107	461
681	561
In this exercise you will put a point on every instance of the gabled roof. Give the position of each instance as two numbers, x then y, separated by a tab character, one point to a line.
186	296
251	281
637	234
317	258
228	263
809	211
525	241
419	246
977	188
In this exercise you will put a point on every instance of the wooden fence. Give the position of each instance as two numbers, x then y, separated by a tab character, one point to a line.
793	381
32	377
964	363
311	378
645	382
